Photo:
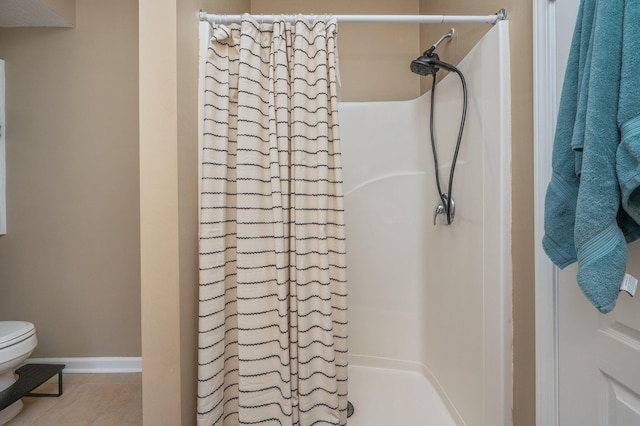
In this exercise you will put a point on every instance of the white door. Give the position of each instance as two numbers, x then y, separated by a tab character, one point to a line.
599	365
599	355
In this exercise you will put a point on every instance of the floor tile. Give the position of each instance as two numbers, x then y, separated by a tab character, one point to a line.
87	400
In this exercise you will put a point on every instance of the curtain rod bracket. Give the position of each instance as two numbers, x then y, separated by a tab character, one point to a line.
501	14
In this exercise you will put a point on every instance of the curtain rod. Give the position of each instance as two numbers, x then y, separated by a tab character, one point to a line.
398	19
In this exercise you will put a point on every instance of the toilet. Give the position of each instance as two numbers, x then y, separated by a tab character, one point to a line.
17	341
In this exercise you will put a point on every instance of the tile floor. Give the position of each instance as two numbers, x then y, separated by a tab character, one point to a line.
87	399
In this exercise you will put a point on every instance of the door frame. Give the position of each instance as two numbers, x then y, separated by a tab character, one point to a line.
546	274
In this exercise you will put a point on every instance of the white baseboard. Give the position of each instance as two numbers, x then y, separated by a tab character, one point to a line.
94	364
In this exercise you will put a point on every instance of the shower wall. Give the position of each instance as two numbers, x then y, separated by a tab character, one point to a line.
520	32
69	262
435	298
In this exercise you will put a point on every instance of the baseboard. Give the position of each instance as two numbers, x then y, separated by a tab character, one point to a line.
94	364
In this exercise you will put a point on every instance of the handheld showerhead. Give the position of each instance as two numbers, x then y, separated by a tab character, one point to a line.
429	64
425	64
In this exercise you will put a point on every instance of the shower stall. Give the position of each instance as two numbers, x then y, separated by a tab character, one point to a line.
430	305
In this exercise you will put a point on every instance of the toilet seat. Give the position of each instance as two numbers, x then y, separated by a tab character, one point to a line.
12	332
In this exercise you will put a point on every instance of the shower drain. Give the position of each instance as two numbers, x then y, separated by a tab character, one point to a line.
349	409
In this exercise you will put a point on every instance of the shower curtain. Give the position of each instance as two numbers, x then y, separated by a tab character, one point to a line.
272	326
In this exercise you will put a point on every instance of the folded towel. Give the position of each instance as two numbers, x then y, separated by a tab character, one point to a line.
592	207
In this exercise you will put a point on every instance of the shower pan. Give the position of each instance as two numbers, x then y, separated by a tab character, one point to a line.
430	306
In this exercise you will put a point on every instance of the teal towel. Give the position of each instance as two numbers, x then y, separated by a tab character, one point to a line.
592	207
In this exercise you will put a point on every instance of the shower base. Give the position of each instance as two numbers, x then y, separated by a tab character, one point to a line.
383	397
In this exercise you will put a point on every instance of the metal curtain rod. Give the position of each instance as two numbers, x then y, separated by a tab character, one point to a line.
397	19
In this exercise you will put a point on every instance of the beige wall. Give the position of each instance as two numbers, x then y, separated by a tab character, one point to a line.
168	198
70	260
520	17
159	219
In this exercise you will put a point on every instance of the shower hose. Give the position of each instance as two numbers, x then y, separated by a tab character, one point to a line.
446	198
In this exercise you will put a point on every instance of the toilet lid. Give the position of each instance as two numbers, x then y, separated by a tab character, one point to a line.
12	332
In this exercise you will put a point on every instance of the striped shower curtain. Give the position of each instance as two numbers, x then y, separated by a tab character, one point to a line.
272	326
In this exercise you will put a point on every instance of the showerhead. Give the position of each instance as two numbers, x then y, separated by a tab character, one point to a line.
425	64
429	64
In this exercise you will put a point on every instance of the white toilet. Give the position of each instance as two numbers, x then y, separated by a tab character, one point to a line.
17	341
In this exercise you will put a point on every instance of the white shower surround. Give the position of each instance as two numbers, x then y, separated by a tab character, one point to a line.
435	299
